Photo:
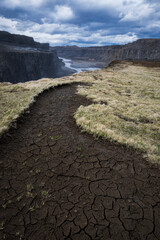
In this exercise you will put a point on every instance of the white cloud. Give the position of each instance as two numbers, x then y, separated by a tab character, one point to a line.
63	34
122	38
54	18
8	24
22	4
99	39
126	10
137	12
62	13
43	32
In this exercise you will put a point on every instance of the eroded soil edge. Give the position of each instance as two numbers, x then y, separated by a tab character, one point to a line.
59	183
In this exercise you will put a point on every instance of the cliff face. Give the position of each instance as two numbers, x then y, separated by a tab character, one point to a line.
22	59
143	49
25	66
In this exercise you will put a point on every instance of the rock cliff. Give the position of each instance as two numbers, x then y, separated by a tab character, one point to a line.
142	49
22	59
25	66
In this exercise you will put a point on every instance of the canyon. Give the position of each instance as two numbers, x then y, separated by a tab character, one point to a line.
23	59
142	49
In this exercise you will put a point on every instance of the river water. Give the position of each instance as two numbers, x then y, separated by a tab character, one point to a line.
68	63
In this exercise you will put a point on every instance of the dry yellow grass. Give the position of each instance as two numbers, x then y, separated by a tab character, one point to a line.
15	98
125	109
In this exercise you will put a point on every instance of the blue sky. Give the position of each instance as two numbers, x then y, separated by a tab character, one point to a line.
82	22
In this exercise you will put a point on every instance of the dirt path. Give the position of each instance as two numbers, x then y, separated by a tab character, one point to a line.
59	183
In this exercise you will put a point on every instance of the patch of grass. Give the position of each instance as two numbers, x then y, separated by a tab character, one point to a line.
57	138
44	194
79	149
4	206
51	137
37	171
31	209
132	115
40	135
29	187
1	225
19	198
88	177
31	172
9	202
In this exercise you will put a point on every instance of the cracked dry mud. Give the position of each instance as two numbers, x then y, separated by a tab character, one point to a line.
59	183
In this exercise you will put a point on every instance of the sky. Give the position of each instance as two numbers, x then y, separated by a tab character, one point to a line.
82	22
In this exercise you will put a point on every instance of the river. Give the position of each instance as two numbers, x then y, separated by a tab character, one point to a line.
69	64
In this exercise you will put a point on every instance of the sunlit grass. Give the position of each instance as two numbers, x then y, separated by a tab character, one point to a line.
126	107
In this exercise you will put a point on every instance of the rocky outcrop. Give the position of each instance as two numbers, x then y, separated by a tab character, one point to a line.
142	49
22	59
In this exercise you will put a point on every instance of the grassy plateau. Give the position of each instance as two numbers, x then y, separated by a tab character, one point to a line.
125	108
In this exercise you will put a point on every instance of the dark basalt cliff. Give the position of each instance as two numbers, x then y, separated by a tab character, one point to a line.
22	59
142	49
25	66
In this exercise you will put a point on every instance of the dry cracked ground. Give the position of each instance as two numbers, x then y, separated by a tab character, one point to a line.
59	183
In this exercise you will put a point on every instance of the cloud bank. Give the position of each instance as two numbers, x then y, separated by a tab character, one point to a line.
82	22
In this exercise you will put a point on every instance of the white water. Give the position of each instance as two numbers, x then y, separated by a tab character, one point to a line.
68	64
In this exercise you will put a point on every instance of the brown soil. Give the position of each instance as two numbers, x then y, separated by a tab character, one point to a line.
59	183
